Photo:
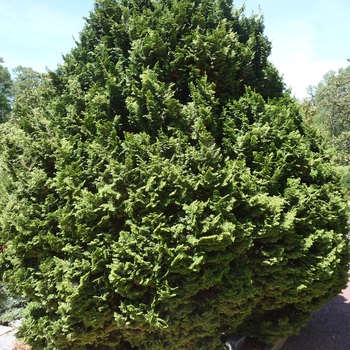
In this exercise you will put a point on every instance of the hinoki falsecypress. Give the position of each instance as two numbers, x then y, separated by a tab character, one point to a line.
162	188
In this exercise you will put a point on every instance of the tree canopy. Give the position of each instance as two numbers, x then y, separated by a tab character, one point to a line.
5	92
165	189
330	103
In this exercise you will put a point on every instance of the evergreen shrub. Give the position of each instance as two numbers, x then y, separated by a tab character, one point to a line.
164	188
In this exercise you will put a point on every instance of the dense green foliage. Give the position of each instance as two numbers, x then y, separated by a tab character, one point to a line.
5	92
164	189
25	88
329	109
18	94
19	91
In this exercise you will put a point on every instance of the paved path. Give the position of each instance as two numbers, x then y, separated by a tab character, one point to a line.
328	329
7	337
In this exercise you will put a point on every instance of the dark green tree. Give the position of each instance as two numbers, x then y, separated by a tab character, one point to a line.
165	188
5	92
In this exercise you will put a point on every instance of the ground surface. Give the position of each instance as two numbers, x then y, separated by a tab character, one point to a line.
253	344
328	329
7	338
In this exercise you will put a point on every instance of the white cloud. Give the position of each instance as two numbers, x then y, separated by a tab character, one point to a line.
300	75
294	53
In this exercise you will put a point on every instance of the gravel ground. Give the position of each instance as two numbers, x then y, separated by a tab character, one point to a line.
328	329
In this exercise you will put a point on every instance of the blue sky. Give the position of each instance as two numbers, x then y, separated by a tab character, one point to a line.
35	33
309	37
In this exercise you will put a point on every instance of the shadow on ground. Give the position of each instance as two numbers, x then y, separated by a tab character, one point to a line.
328	329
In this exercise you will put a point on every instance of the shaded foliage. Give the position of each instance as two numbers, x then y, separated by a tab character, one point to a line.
5	92
330	110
